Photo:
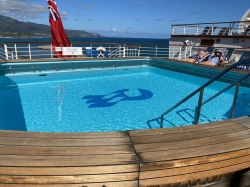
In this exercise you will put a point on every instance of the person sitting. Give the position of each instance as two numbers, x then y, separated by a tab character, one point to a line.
214	60
202	56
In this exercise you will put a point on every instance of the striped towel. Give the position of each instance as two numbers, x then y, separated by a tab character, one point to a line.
224	53
198	59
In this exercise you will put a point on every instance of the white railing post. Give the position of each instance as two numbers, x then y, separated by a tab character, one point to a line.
185	55
173	52
180	53
184	31
51	50
29	51
91	50
124	51
6	52
15	51
120	51
212	32
172	30
231	29
197	29
139	52
156	51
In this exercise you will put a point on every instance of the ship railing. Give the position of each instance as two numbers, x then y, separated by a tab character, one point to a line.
5	53
179	52
35	50
234	28
117	52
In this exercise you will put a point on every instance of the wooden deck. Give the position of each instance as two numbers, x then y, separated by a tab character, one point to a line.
182	156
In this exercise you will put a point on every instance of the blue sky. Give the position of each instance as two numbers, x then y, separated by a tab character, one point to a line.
129	18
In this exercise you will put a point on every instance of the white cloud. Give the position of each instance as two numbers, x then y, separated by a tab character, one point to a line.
86	7
21	9
113	29
63	13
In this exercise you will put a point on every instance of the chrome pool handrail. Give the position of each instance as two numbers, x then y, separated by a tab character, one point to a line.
201	91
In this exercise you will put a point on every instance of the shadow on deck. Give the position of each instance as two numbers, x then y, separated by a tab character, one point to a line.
209	154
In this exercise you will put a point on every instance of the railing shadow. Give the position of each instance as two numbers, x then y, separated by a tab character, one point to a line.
188	112
242	106
186	115
11	110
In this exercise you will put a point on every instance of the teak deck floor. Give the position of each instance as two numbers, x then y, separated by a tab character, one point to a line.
182	156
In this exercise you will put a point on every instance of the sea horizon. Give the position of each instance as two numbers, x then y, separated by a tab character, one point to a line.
122	40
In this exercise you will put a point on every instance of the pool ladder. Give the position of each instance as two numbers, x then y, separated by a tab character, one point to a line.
201	93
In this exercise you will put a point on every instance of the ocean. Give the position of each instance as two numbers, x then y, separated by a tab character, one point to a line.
121	41
111	43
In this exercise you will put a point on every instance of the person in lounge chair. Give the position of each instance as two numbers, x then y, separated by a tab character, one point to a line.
215	60
202	56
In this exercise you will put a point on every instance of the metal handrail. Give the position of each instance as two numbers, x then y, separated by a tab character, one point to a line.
201	91
210	23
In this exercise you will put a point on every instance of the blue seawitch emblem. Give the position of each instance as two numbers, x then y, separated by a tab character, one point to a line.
113	98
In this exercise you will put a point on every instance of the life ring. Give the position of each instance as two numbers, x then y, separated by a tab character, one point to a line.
101	49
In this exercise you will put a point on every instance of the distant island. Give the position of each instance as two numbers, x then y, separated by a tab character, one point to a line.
13	28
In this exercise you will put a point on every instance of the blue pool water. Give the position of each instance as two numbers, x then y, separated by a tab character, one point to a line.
108	100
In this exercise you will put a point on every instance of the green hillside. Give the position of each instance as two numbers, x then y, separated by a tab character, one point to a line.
13	28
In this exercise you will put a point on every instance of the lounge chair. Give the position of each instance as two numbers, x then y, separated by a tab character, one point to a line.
224	31
233	57
208	30
247	31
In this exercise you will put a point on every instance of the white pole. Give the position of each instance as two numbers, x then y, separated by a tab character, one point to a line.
120	51
185	52
91	50
124	51
156	51
184	33
51	50
197	29
212	32
29	51
15	51
139	51
172	30
6	52
180	53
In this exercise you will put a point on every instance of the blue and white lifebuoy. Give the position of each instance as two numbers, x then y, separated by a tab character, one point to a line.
102	52
101	49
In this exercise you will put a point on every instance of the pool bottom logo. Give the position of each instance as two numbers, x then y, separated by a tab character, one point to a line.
113	98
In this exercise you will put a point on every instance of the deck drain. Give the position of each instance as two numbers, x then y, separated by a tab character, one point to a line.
43	75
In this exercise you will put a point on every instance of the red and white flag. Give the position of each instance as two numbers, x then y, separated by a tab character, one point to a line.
59	37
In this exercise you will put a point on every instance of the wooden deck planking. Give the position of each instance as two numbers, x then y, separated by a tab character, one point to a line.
64	171
182	136
38	142
70	160
103	184
157	157
181	156
161	146
190	128
160	165
24	134
193	176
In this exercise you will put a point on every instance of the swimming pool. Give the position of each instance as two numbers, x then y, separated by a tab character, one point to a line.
112	99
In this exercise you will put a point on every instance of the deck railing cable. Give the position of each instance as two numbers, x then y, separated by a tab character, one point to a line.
201	90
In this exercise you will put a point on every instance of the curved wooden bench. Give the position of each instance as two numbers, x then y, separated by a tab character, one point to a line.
183	156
